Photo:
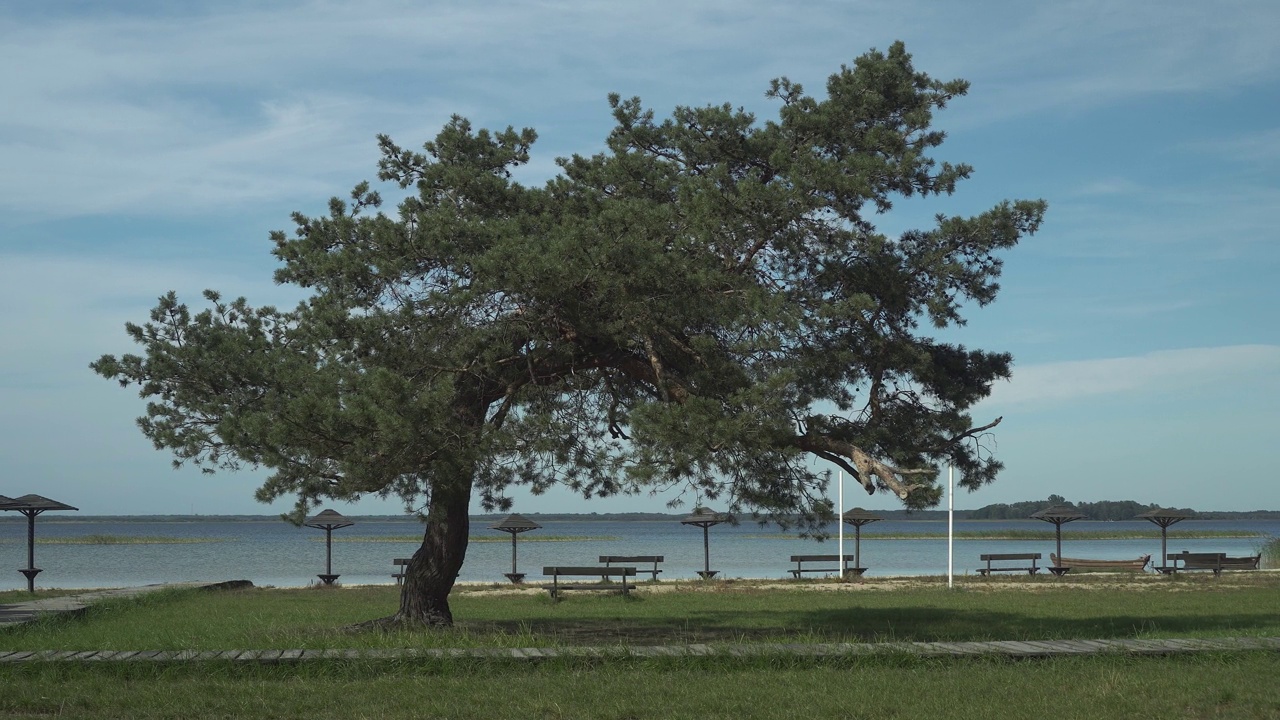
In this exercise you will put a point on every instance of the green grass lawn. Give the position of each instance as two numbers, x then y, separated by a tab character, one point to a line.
1246	604
1219	685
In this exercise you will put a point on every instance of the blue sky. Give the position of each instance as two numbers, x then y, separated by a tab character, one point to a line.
148	146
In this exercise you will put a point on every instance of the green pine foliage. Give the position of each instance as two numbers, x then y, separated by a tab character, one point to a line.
706	304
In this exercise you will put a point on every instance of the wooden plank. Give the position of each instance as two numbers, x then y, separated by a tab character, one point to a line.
1021	649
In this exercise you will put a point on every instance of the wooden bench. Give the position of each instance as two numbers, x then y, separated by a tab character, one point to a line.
400	565
1066	564
604	573
800	560
1006	557
1217	562
655	559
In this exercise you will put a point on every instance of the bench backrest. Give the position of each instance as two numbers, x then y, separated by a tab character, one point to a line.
401	561
590	570
632	558
819	558
1198	560
1011	556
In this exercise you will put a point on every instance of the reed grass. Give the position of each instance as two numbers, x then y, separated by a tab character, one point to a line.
1016	534
472	539
126	540
1270	551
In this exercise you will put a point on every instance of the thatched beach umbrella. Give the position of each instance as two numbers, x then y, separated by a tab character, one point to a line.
514	524
858	517
1058	515
31	506
328	521
704	518
1164	518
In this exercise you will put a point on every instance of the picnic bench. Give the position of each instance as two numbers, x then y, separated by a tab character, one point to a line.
1067	564
400	564
609	560
800	560
602	572
1009	557
1217	562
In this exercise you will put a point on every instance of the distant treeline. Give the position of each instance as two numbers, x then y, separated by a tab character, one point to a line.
1101	510
1105	510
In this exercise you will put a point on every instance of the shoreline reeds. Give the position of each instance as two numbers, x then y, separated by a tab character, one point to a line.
126	540
1014	534
472	539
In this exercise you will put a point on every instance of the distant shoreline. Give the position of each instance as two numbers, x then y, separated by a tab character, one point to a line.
898	515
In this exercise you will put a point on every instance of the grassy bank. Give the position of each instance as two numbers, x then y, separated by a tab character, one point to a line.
1070	688
1221	686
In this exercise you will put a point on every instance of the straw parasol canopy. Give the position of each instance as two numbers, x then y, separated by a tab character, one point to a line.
36	504
1058	515
514	524
328	520
1164	517
705	518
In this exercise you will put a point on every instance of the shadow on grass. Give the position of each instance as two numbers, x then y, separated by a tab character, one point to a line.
924	624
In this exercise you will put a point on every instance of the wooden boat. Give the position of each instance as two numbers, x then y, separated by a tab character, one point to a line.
1137	565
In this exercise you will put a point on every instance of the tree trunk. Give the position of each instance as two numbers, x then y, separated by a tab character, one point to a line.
424	598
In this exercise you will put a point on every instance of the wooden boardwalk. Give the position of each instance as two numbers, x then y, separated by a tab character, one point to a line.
21	612
999	648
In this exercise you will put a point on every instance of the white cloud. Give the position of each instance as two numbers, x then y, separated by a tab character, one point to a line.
1262	147
67	311
1060	382
1111	186
189	112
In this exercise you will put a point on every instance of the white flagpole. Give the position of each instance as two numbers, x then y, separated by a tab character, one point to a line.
840	523
951	523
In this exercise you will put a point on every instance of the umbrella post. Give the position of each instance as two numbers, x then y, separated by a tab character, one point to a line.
31	570
857	546
706	550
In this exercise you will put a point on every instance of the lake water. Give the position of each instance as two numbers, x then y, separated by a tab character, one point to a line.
272	552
